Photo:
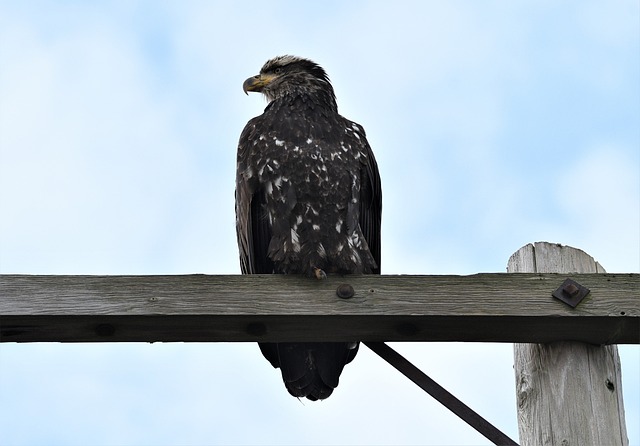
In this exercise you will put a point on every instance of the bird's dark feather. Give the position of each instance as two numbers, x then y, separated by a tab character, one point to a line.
308	196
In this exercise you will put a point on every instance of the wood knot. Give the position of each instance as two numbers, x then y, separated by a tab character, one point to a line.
610	385
105	330
256	329
407	329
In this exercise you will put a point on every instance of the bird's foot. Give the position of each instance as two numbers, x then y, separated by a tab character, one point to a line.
319	273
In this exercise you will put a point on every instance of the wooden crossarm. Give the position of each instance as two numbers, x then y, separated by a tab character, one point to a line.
222	308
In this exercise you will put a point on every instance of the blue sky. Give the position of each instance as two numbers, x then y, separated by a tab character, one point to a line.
495	124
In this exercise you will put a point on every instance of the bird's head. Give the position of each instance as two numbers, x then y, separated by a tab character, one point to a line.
290	76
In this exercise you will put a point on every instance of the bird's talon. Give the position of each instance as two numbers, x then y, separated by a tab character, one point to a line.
319	274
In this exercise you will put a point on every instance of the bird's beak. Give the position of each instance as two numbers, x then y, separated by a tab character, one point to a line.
256	83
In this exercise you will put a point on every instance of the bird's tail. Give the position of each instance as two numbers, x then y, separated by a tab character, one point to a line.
310	369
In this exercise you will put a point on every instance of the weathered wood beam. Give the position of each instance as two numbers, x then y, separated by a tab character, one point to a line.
203	308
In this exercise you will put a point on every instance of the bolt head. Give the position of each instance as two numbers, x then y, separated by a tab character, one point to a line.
345	291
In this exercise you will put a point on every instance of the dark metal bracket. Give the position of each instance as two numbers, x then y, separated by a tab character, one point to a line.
571	292
440	394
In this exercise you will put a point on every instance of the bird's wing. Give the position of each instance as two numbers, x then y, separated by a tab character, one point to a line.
252	223
370	200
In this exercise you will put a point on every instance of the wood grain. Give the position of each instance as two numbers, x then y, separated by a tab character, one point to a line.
482	307
567	392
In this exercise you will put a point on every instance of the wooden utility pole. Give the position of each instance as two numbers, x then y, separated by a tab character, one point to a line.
568	393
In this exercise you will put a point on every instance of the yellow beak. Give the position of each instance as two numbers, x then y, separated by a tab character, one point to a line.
257	83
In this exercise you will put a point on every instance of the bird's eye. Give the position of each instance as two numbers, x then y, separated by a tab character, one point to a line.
278	70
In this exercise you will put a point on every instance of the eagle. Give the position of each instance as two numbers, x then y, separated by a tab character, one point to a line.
308	202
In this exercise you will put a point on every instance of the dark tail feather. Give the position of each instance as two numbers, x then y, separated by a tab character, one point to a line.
310	369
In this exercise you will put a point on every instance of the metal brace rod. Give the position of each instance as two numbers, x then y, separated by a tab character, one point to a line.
440	394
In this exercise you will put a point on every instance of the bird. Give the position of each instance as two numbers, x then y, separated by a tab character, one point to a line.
308	201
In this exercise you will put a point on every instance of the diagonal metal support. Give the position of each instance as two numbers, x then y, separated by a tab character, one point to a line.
440	394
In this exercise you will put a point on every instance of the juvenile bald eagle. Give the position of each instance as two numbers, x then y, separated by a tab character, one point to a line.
308	201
